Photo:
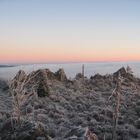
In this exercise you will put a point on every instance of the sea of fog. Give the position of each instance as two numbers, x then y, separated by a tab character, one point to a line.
71	69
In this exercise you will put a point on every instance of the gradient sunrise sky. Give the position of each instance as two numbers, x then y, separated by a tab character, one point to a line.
42	31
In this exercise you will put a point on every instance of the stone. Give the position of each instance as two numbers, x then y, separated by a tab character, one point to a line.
89	135
18	79
121	72
97	76
60	75
38	79
79	76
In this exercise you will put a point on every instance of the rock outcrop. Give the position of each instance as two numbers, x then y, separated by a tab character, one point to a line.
18	79
39	80
60	75
121	72
79	76
50	75
97	76
124	73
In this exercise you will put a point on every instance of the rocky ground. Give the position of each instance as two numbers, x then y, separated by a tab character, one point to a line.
52	107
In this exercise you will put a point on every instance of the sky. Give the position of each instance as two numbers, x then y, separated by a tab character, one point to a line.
41	31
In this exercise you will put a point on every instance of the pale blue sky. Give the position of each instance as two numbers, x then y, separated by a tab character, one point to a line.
98	26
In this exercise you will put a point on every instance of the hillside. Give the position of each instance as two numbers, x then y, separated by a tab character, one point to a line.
44	105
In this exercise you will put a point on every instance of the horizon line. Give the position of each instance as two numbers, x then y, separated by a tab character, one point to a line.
66	62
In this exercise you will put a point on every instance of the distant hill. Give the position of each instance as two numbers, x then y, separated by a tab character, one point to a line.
3	66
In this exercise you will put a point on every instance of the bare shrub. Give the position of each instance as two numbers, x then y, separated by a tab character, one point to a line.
117	94
89	135
21	97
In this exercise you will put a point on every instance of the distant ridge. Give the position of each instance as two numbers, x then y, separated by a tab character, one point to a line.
3	66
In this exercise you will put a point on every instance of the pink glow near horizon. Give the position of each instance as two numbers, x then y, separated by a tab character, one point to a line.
65	54
69	31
